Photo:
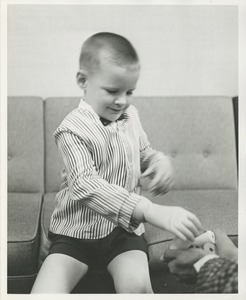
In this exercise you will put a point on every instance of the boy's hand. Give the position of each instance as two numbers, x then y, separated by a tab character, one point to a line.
181	222
160	176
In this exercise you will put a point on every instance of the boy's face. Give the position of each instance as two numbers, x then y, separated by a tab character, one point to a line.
109	89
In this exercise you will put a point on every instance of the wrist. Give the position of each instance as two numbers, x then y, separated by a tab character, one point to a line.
141	210
197	265
154	214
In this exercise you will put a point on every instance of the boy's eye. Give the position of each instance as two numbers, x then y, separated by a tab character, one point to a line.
112	92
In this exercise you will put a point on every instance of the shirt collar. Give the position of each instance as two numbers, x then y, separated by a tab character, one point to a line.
104	121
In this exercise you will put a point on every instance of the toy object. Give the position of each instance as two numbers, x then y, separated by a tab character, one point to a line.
204	241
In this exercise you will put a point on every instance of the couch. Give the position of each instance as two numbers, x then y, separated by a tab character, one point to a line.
198	133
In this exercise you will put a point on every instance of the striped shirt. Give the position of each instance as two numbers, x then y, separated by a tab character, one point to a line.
100	181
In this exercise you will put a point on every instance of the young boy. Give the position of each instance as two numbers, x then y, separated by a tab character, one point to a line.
99	210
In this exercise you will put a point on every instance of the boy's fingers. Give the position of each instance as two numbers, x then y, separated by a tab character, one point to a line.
159	190
170	254
187	232
196	222
161	183
148	172
192	227
155	185
178	233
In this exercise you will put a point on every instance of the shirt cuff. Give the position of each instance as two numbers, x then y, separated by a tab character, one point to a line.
203	260
126	211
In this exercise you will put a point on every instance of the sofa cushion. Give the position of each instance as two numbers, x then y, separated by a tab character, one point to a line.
55	111
23	233
214	208
20	284
25	144
198	133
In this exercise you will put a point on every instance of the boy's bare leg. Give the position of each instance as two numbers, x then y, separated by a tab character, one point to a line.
130	272
59	274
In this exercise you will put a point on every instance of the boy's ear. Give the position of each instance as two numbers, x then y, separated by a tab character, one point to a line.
82	79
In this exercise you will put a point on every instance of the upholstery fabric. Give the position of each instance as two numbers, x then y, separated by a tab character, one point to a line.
20	284
25	144
214	208
23	233
198	133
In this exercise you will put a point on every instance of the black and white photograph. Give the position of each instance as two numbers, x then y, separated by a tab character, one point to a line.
122	148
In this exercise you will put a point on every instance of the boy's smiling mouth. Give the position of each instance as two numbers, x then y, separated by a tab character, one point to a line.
116	110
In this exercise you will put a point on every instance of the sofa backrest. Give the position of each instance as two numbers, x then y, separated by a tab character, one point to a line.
197	132
25	145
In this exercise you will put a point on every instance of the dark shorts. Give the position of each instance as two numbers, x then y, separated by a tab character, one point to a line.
99	252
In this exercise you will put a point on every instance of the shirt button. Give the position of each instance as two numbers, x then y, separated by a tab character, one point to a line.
9	157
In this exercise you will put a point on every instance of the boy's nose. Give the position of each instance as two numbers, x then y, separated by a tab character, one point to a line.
121	100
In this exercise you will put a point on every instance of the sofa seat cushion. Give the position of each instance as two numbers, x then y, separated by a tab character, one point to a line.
198	133
23	233
214	208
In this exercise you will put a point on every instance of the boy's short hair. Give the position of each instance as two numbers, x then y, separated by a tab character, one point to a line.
114	48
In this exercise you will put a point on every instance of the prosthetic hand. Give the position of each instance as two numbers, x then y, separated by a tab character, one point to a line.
177	220
181	262
205	241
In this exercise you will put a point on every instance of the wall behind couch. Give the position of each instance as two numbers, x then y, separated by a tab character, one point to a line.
184	50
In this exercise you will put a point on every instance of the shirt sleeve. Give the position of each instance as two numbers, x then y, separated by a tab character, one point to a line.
218	275
112	201
148	155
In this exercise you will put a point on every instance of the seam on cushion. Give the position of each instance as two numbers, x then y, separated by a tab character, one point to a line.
22	277
160	242
21	242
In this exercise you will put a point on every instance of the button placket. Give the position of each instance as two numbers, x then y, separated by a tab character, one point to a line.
125	145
